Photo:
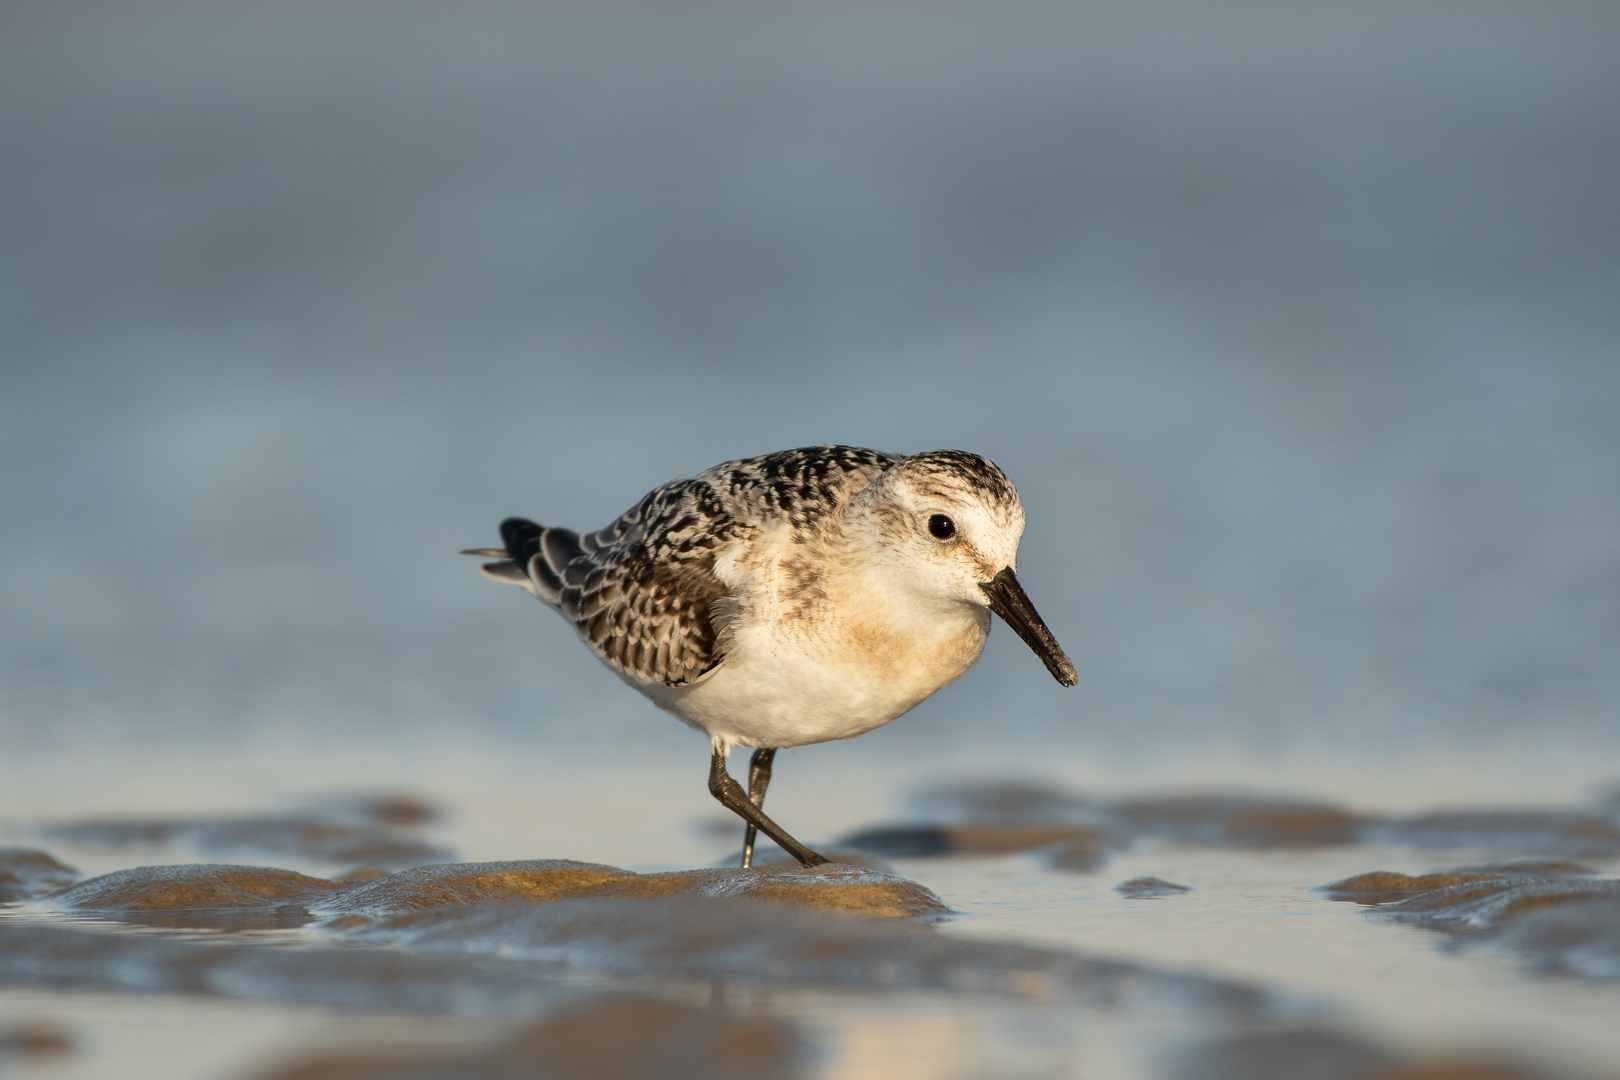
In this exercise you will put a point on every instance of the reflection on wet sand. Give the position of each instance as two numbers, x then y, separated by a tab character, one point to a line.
622	1037
593	970
827	924
548	938
1309	1052
35	1040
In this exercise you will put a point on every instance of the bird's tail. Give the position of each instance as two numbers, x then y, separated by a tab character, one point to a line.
534	557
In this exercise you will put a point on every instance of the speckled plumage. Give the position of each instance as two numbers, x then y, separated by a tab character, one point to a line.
642	592
793	598
784	564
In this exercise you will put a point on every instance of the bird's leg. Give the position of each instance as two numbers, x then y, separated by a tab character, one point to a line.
733	798
759	778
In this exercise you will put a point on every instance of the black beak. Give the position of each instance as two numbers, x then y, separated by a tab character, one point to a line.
1007	599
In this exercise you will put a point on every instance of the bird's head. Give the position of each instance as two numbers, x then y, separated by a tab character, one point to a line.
947	524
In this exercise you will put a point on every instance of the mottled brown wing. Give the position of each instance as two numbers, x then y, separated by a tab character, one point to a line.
643	594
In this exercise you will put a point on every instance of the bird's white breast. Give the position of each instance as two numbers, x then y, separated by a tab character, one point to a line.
826	655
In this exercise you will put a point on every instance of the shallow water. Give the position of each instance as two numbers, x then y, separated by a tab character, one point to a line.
1253	949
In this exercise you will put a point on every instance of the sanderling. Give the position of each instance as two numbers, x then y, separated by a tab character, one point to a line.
793	598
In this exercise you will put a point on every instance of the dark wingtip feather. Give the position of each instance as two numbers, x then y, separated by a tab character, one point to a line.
522	539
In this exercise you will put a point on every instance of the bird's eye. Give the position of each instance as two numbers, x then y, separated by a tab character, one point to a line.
942	527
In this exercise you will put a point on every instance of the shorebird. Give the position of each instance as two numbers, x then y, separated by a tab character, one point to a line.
790	599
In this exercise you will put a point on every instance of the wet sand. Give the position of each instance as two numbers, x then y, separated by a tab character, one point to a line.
991	930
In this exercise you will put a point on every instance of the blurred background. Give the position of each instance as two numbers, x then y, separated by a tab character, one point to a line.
1295	323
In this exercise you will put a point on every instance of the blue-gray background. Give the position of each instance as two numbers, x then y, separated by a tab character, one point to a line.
1297	325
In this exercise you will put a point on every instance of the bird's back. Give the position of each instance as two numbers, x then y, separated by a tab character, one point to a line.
642	592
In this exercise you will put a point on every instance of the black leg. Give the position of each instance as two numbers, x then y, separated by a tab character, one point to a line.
733	798
759	778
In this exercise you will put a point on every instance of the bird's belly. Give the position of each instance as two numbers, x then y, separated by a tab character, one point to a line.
771	693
